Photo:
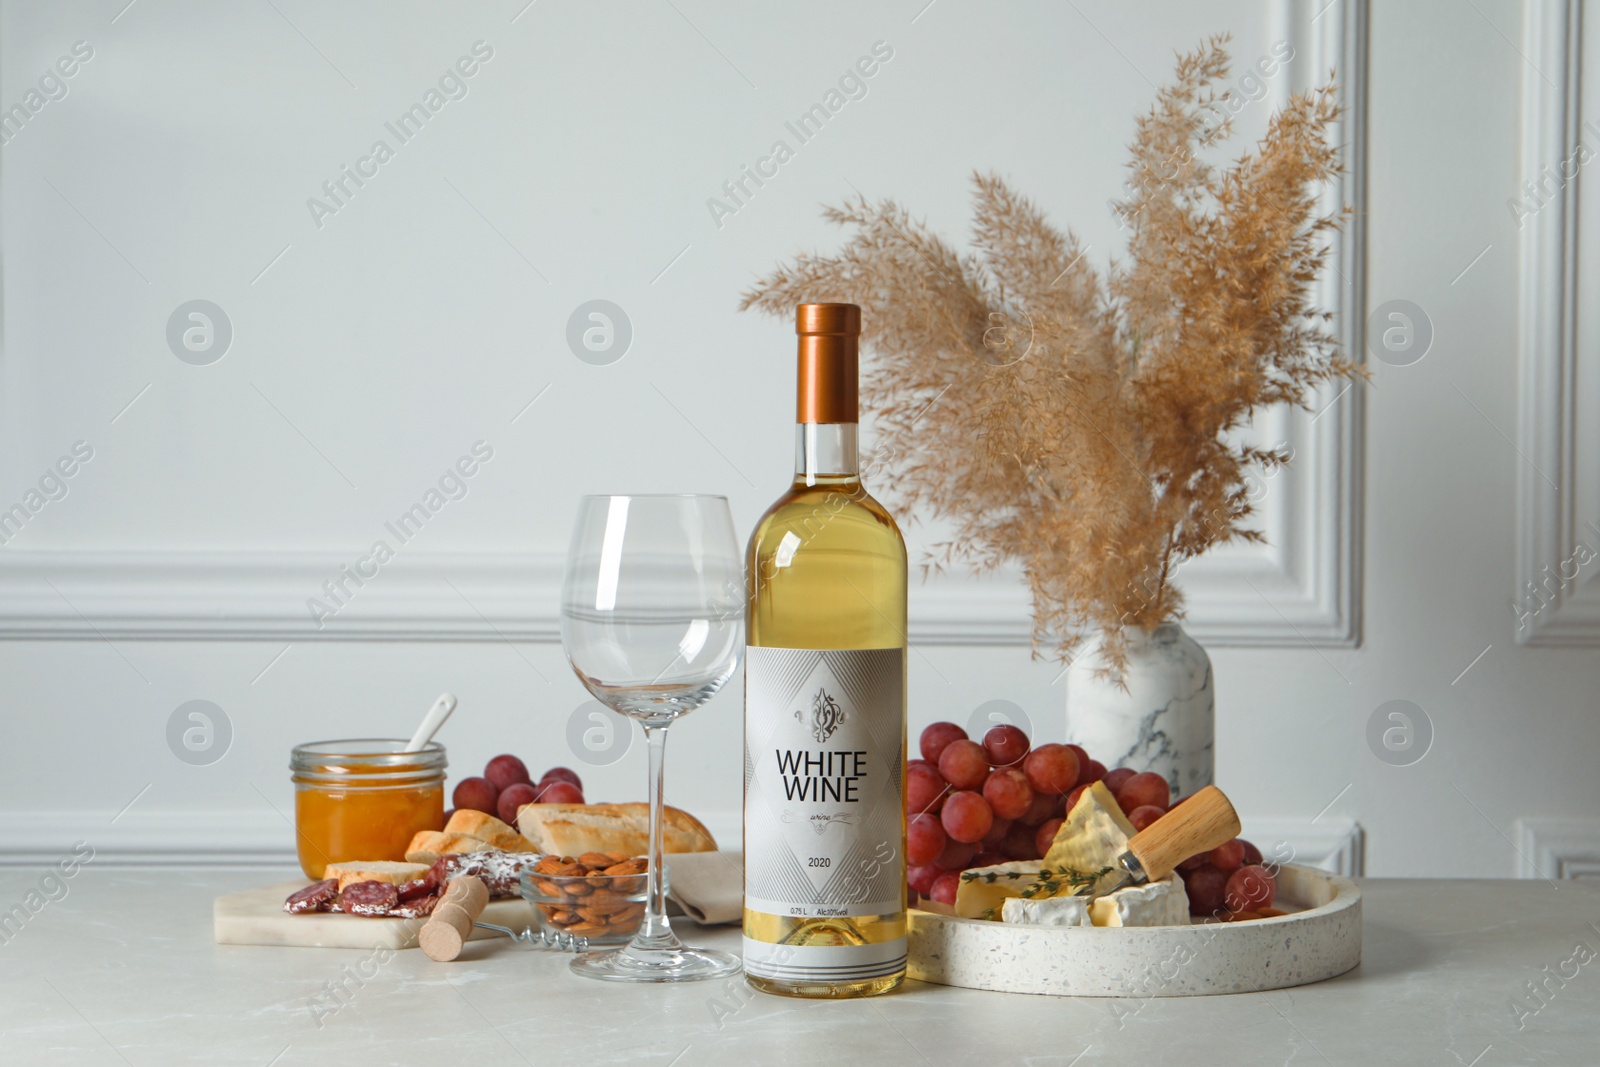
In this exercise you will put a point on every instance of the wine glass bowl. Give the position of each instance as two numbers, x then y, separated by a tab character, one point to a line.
652	621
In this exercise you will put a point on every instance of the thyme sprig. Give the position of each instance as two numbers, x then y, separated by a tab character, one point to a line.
1046	882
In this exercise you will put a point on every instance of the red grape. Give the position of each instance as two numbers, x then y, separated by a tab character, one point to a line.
997	833
1144	815
1250	888
910	763
925	790
507	771
512	798
1193	862
1082	756
987	859
944	887
925	840
1046	835
1251	853
1146	787
937	737
1044	806
1228	856
1051	769
1072	797
956	856
562	774
559	792
966	816
1006	745
479	794
1092	772
1207	888
1021	842
964	764
1114	779
1008	793
922	878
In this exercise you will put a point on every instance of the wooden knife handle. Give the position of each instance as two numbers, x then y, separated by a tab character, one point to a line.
1199	824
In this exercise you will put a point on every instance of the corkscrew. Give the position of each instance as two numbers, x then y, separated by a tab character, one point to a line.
445	933
549	940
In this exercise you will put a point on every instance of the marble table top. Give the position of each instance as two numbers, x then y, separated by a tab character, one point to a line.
122	970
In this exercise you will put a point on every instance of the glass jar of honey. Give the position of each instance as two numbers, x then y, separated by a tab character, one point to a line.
363	799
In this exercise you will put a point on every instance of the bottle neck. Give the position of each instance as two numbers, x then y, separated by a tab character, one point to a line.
825	453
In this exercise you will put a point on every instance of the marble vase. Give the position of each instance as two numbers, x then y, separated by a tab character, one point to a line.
1162	721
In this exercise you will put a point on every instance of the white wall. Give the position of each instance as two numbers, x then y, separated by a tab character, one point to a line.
371	352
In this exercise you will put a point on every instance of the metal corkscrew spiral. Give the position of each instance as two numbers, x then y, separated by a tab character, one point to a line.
553	941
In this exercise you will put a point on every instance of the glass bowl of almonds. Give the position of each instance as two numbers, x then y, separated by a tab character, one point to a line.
598	895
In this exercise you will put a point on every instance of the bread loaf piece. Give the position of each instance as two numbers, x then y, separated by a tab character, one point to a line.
573	829
486	827
428	845
387	871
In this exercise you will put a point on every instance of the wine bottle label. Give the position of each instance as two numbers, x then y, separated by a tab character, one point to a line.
823	798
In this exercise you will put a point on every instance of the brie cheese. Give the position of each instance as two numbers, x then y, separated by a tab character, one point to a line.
1162	903
1051	911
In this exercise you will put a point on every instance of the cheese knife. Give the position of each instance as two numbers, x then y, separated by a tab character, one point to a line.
1199	824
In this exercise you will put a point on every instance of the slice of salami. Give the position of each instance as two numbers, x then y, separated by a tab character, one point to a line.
318	896
369	898
420	908
418	889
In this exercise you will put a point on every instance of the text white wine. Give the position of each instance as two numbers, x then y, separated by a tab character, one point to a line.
825	703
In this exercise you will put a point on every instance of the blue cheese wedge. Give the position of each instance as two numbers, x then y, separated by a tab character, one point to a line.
1162	903
1052	911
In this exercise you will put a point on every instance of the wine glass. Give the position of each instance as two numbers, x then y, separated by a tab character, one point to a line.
652	620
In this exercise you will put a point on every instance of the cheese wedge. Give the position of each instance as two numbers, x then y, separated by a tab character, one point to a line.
1052	911
1093	835
1162	903
983	890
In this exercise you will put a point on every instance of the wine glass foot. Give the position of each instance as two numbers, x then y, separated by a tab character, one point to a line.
636	963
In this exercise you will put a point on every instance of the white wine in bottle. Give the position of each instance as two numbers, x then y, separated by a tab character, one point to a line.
825	705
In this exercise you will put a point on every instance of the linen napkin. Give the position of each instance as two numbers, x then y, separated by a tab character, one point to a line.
707	887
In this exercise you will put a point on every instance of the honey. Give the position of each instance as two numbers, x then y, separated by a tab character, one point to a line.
363	800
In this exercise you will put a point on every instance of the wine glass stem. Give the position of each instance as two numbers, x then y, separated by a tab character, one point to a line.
656	926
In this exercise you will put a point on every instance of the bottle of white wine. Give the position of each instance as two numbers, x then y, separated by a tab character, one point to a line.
825	704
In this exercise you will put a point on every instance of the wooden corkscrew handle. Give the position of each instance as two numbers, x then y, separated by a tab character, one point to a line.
450	924
1199	824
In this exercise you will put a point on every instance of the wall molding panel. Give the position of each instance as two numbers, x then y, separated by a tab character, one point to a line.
1302	587
1556	600
1558	848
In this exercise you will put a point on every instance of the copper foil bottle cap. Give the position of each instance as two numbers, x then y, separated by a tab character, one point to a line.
830	338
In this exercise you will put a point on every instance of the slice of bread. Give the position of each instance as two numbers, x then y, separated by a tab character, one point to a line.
486	827
428	845
390	871
477	823
573	829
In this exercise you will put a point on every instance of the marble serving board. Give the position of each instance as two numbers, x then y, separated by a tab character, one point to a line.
256	917
1320	938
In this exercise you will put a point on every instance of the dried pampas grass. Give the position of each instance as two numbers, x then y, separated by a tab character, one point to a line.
1078	424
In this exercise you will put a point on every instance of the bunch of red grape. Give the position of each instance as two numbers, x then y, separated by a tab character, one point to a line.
506	786
971	804
1229	882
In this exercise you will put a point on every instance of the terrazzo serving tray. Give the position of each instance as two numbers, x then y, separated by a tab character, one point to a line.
1319	940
